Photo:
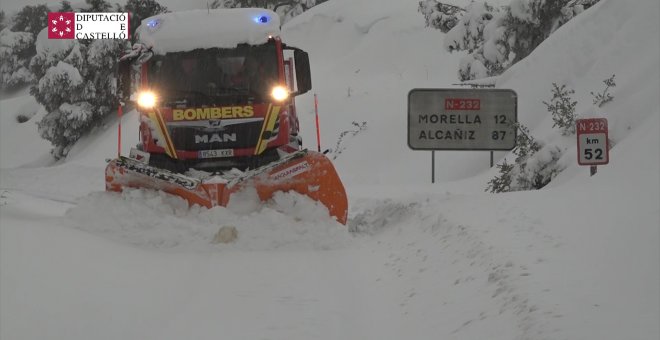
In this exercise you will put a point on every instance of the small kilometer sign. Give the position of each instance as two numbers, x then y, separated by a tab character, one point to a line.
592	141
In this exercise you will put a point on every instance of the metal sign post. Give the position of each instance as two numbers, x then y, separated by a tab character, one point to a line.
318	131
592	143
462	119
432	166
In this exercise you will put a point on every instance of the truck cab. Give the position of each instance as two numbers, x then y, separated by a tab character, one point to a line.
217	102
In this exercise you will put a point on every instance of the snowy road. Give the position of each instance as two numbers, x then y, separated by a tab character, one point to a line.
139	265
381	286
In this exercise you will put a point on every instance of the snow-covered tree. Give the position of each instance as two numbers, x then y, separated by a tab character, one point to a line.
76	86
17	45
97	6
496	38
532	21
2	20
15	53
286	9
439	15
141	9
65	6
480	31
31	19
468	34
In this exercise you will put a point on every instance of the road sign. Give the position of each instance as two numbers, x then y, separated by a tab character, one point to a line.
592	141
462	119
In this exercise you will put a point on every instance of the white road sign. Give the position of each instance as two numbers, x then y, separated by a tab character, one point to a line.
462	119
592	141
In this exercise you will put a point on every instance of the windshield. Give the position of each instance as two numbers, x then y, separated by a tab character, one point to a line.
215	76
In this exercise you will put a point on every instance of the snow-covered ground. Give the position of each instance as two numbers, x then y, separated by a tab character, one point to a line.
578	259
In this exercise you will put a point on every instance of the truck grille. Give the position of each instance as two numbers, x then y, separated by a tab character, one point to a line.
243	135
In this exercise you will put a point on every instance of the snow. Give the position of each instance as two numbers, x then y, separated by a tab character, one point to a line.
155	220
524	10
579	259
471	23
9	39
47	46
189	30
76	111
60	72
11	131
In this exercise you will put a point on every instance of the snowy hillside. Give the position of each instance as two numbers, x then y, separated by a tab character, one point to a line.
579	259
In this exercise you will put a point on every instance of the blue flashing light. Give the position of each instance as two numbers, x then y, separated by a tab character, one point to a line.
153	23
262	19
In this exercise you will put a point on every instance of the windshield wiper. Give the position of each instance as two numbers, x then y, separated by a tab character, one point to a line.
196	97
197	93
225	95
237	91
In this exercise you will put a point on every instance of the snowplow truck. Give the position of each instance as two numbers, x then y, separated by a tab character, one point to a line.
215	92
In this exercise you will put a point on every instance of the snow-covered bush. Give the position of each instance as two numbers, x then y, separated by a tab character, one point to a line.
60	83
17	45
501	182
75	79
468	34
97	6
536	164
602	98
441	16
339	146
31	19
480	32
496	38
76	86
562	108
15	54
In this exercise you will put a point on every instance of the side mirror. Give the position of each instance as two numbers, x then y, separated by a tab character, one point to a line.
137	55
303	73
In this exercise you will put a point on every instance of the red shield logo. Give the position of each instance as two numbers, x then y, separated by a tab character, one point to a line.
61	25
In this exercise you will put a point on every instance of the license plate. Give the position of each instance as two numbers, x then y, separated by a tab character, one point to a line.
216	153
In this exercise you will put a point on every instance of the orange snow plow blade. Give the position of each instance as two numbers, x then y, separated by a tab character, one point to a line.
306	172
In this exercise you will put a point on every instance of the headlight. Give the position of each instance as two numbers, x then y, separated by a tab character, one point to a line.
146	99
279	93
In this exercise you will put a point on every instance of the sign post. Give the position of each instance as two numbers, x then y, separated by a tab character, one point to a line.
432	166
462	119
592	143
